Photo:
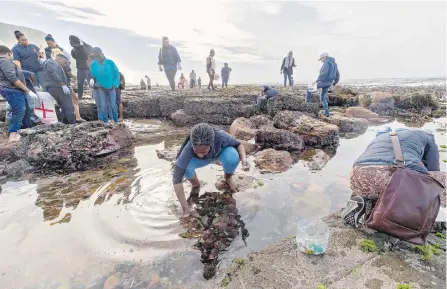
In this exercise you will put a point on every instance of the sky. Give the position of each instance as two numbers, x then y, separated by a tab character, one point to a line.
367	39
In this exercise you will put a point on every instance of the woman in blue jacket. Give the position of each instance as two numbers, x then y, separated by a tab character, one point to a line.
106	78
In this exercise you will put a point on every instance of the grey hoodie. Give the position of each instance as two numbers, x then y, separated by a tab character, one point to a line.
53	74
9	73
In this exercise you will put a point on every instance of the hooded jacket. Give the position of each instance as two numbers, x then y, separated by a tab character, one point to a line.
329	72
80	52
10	73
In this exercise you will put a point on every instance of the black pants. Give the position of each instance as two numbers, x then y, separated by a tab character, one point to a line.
170	74
83	75
65	103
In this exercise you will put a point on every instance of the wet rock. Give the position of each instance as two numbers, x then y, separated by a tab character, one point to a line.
72	147
418	101
138	105
16	169
243	182
169	154
249	147
241	128
87	109
273	161
315	133
316	159
279	139
7	151
371	117
292	103
180	118
346	124
381	102
170	104
335	99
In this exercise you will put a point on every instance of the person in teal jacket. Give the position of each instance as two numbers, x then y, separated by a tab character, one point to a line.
106	78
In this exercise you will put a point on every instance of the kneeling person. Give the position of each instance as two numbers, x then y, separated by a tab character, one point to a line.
55	82
205	146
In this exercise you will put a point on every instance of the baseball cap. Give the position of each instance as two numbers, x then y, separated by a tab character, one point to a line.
97	51
324	54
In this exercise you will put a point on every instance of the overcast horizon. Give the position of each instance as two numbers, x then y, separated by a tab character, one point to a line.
369	40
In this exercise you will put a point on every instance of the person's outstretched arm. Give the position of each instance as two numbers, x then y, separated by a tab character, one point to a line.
181	164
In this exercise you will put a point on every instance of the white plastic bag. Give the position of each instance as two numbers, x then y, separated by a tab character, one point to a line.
46	111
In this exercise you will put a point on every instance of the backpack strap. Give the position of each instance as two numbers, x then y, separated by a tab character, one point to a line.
398	156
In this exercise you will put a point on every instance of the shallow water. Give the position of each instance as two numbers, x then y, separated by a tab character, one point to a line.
123	223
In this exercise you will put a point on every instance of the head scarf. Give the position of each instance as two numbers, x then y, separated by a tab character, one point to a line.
202	134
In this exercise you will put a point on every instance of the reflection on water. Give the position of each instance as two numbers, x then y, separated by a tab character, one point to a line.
120	226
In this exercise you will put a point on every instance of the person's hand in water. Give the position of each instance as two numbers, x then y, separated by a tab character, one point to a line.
245	165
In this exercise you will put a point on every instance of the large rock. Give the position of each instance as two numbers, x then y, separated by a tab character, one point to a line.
293	103
315	159
243	182
71	147
273	161
381	102
170	104
363	113
335	99
279	139
181	118
87	109
141	107
314	132
245	129
347	123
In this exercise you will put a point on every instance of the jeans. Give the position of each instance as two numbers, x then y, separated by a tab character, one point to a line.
18	105
39	76
65	103
225	82
228	157
170	74
106	98
324	88
83	74
288	74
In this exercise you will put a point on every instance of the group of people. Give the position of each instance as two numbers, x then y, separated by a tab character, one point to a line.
26	68
169	61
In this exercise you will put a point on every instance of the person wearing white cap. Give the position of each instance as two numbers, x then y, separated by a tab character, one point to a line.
328	76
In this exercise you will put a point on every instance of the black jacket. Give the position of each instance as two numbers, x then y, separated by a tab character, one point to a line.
80	53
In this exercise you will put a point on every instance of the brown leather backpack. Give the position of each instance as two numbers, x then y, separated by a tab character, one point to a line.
408	207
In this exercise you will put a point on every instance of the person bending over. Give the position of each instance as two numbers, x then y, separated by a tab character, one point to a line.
205	146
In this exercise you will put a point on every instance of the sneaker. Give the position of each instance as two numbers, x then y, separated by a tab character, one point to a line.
354	211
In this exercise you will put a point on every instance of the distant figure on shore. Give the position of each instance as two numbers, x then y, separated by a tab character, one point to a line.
142	84
199	82
56	83
211	69
170	59
328	76
225	73
119	103
107	79
15	91
28	56
267	93
205	146
148	80
53	49
80	53
192	77
372	171
69	75
181	82
288	63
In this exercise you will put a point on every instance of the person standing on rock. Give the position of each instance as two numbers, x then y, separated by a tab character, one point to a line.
225	73
28	56
199	82
192	77
142	84
107	79
181	82
288	63
328	76
169	58
15	91
148	80
80	53
205	146
70	76
55	82
211	69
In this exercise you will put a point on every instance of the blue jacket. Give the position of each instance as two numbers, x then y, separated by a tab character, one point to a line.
269	91
329	72
106	75
169	58
418	147
27	55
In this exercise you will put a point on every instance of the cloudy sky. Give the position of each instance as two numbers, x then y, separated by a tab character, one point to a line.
367	39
